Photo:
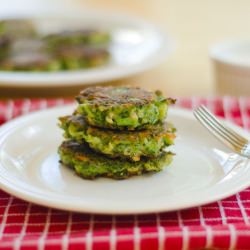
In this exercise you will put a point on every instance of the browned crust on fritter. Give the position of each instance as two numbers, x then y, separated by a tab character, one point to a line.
157	131
116	96
29	60
80	52
74	33
4	41
83	152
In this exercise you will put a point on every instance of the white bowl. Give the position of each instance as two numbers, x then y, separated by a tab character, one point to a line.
231	61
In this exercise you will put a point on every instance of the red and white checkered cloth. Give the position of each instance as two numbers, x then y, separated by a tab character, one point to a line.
221	225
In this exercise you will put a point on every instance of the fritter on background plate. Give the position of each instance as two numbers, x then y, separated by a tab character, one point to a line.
17	28
77	57
4	46
78	37
26	54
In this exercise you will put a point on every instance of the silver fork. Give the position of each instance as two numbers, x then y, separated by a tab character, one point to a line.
226	135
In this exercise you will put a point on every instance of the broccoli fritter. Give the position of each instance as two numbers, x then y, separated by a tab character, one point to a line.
79	49
31	55
90	165
28	54
78	37
4	46
123	108
30	62
24	48
124	144
16	28
77	57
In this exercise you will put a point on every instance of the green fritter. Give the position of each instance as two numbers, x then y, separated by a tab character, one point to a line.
30	61
114	143
78	37
28	54
4	46
90	165
122	108
77	57
16	28
31	55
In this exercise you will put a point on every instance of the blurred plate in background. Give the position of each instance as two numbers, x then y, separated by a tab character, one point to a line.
136	46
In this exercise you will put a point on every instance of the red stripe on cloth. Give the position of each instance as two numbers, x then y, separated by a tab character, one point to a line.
124	222
28	248
190	213
148	242
173	238
101	240
221	237
184	103
125	239
243	236
169	219
197	237
76	246
216	105
125	244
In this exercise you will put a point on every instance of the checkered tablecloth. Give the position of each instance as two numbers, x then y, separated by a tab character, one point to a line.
223	224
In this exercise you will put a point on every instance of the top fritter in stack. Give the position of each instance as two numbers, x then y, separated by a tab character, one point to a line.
117	133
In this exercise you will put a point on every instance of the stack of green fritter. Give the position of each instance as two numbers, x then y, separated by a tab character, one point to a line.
117	133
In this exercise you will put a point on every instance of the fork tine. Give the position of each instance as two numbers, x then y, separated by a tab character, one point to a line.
215	131
222	131
222	128
228	130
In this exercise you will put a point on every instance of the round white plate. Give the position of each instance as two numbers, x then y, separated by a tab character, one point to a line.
202	171
137	46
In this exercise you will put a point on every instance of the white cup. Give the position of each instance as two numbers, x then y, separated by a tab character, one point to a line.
231	62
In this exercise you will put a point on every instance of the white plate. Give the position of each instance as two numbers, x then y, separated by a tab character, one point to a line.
202	171
137	46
